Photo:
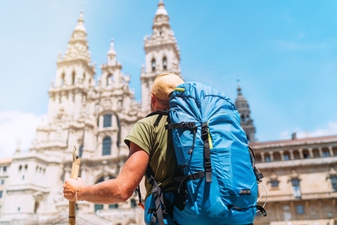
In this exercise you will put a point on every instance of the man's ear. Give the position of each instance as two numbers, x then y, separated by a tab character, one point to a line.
153	100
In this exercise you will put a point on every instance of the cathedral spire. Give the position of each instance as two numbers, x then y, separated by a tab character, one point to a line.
161	9
112	53
246	122
162	53
161	18
74	76
78	45
239	88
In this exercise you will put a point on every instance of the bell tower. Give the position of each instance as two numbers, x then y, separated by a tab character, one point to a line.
246	122
74	77
162	53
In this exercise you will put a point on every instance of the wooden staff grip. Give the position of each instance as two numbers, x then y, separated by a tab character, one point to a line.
74	175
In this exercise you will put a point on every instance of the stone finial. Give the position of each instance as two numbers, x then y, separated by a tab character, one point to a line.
18	145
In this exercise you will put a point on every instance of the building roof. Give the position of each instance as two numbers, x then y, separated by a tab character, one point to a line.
5	160
294	142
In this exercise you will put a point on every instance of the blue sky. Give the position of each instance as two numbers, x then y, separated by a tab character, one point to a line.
283	52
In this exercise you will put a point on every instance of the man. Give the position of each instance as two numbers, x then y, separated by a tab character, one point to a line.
149	144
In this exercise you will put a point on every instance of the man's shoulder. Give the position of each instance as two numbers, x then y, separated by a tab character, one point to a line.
152	117
147	119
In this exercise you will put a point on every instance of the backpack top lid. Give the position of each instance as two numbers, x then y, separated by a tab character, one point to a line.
201	99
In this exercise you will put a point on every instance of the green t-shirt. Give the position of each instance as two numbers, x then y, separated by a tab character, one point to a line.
156	141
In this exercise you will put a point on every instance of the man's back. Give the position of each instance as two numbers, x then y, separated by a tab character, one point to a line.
154	139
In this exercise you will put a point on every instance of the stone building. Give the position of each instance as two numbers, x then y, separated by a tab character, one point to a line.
300	176
300	183
4	168
92	115
95	115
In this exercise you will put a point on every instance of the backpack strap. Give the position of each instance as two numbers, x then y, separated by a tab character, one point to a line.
137	191
158	196
207	152
257	172
160	114
185	126
262	210
183	179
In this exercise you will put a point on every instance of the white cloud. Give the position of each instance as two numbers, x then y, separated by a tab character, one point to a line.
331	129
16	126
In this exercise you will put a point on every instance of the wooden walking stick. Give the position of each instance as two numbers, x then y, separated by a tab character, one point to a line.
74	175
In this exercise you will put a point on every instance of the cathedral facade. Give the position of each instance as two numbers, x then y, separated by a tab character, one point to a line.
94	116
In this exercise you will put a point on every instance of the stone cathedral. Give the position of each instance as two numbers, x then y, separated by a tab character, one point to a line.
94	115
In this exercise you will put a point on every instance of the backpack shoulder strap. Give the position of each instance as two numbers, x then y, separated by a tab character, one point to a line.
160	208
160	114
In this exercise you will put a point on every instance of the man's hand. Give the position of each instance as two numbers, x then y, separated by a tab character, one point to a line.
70	187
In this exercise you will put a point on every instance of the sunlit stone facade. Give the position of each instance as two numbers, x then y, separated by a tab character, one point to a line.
300	183
92	115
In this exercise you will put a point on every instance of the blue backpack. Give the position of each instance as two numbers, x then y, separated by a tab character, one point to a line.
219	184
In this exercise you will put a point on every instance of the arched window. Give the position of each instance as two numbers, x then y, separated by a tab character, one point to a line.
164	63
133	203
153	65
113	206
73	77
296	187
80	151
106	150
98	207
109	80
300	209
107	120
36	206
274	183
333	180
63	79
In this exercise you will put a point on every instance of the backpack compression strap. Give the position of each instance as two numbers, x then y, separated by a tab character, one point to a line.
207	152
160	208
185	126
158	195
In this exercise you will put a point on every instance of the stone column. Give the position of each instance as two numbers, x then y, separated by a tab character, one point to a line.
262	157
330	150
282	155
320	151
301	153
311	153
291	154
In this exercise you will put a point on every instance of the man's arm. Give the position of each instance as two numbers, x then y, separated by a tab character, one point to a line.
115	190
